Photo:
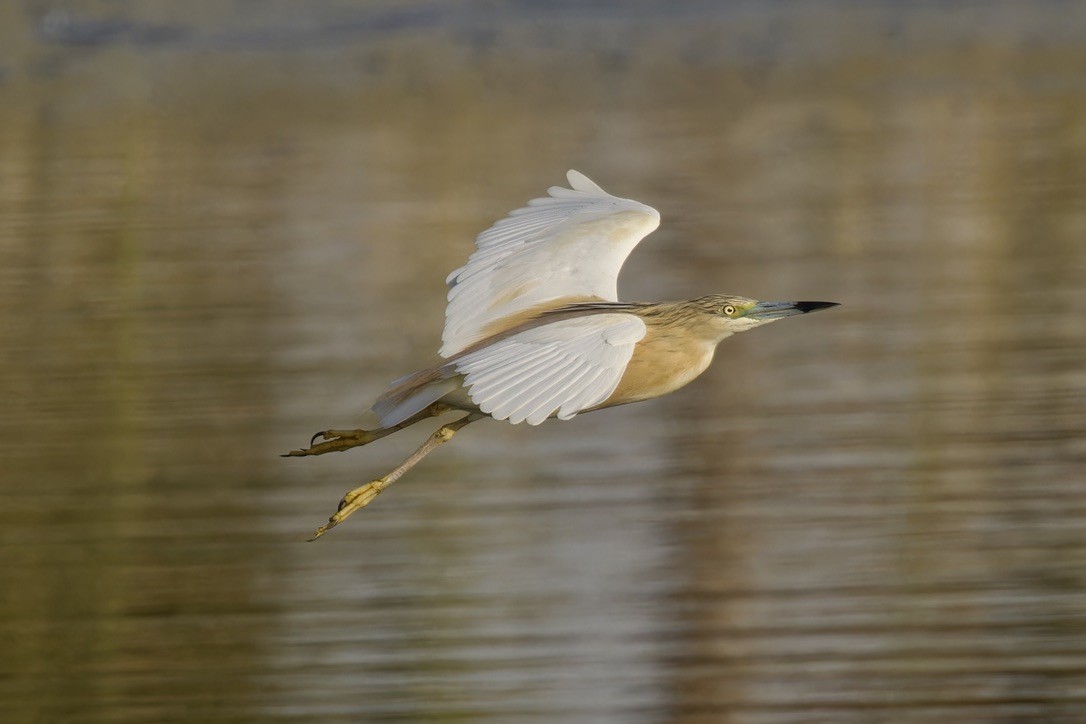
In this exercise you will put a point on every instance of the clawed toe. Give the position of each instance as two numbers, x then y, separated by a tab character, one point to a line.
354	500
335	440
360	436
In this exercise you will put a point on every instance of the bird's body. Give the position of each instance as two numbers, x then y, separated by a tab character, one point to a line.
534	329
667	357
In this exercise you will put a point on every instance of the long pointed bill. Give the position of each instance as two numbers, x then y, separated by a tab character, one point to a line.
776	310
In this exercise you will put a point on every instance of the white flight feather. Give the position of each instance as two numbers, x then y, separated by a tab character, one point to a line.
562	367
570	244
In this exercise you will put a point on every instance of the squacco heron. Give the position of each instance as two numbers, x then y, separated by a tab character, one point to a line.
534	330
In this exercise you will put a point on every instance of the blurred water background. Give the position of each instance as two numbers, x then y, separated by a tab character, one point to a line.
225	225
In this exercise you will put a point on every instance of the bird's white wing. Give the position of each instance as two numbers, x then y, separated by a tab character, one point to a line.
564	367
570	244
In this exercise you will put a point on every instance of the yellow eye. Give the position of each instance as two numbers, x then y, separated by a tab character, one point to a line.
728	310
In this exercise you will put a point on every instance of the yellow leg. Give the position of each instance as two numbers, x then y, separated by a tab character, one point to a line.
338	440
363	495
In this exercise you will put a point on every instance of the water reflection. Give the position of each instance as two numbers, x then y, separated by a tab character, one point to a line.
213	247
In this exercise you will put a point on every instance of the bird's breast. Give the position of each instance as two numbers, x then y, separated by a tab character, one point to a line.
662	362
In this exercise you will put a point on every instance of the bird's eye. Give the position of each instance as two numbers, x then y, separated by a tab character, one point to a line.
728	310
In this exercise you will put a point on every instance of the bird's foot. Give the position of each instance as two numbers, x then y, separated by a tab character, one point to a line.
335	440
354	500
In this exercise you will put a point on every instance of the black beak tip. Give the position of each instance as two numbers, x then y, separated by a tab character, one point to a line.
806	307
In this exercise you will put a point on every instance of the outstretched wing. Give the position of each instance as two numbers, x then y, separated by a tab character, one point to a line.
562	367
569	246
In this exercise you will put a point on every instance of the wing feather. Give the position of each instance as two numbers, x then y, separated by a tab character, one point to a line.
558	394
562	367
593	391
500	380
570	244
528	396
530	401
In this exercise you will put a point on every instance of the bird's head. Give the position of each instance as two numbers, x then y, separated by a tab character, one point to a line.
726	315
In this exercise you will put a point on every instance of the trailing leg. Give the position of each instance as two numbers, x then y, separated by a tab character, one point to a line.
339	440
363	495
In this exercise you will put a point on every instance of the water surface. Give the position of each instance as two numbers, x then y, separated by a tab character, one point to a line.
222	232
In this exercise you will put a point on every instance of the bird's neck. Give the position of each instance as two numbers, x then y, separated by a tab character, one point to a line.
684	321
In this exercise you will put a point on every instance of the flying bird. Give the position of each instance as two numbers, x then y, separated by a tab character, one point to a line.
534	330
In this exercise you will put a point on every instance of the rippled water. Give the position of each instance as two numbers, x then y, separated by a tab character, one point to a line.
221	232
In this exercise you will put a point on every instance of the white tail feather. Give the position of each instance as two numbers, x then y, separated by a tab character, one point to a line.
394	409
